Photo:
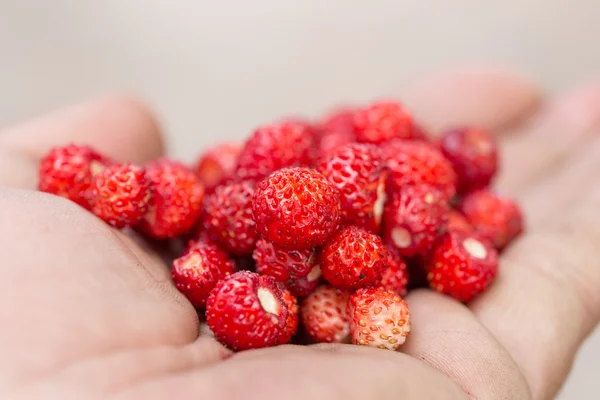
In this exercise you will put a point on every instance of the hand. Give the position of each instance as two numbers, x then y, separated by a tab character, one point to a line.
88	312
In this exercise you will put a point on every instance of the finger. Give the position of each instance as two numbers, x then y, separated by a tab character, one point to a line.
489	98
446	335
561	129
116	126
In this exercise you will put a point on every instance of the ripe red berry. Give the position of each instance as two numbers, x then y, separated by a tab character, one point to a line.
462	265
414	218
197	271
228	219
291	303
496	218
324	315
330	141
458	222
283	264
358	171
247	311
473	154
120	195
68	171
378	318
217	164
275	146
415	162
395	276
296	208
301	287
353	258
177	199
381	122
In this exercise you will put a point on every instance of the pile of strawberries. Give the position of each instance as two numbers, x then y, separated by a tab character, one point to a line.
317	225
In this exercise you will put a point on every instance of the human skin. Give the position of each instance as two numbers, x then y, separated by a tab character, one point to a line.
88	312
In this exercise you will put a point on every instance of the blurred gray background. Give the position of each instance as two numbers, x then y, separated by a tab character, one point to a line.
213	69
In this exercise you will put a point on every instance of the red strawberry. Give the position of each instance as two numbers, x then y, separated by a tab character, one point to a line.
496	218
378	318
414	218
68	171
217	164
415	162
197	271
275	146
358	171
458	222
330	141
228	219
395	276
120	195
339	120
296	208
324	315
283	264
291	303
353	258
462	265
301	287
246	311
473	154
381	122
177	201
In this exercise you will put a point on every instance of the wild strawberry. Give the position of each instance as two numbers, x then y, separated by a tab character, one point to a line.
496	218
415	162
198	270
324	315
353	258
301	287
246	311
358	171
378	318
381	122
177	199
291	303
473	154
462	265
458	222
283	264
395	276
296	208
217	164
120	195
68	171
414	218
275	146
228	219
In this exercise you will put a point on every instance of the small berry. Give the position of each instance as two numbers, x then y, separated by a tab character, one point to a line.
301	287
414	218
415	162
378	318
217	164
68	171
197	271
120	195
473	154
381	122
283	264
462	265
458	222
358	171
228	219
246	311
353	258
296	208
177	199
395	276
324	315
291	303
275	146
498	219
